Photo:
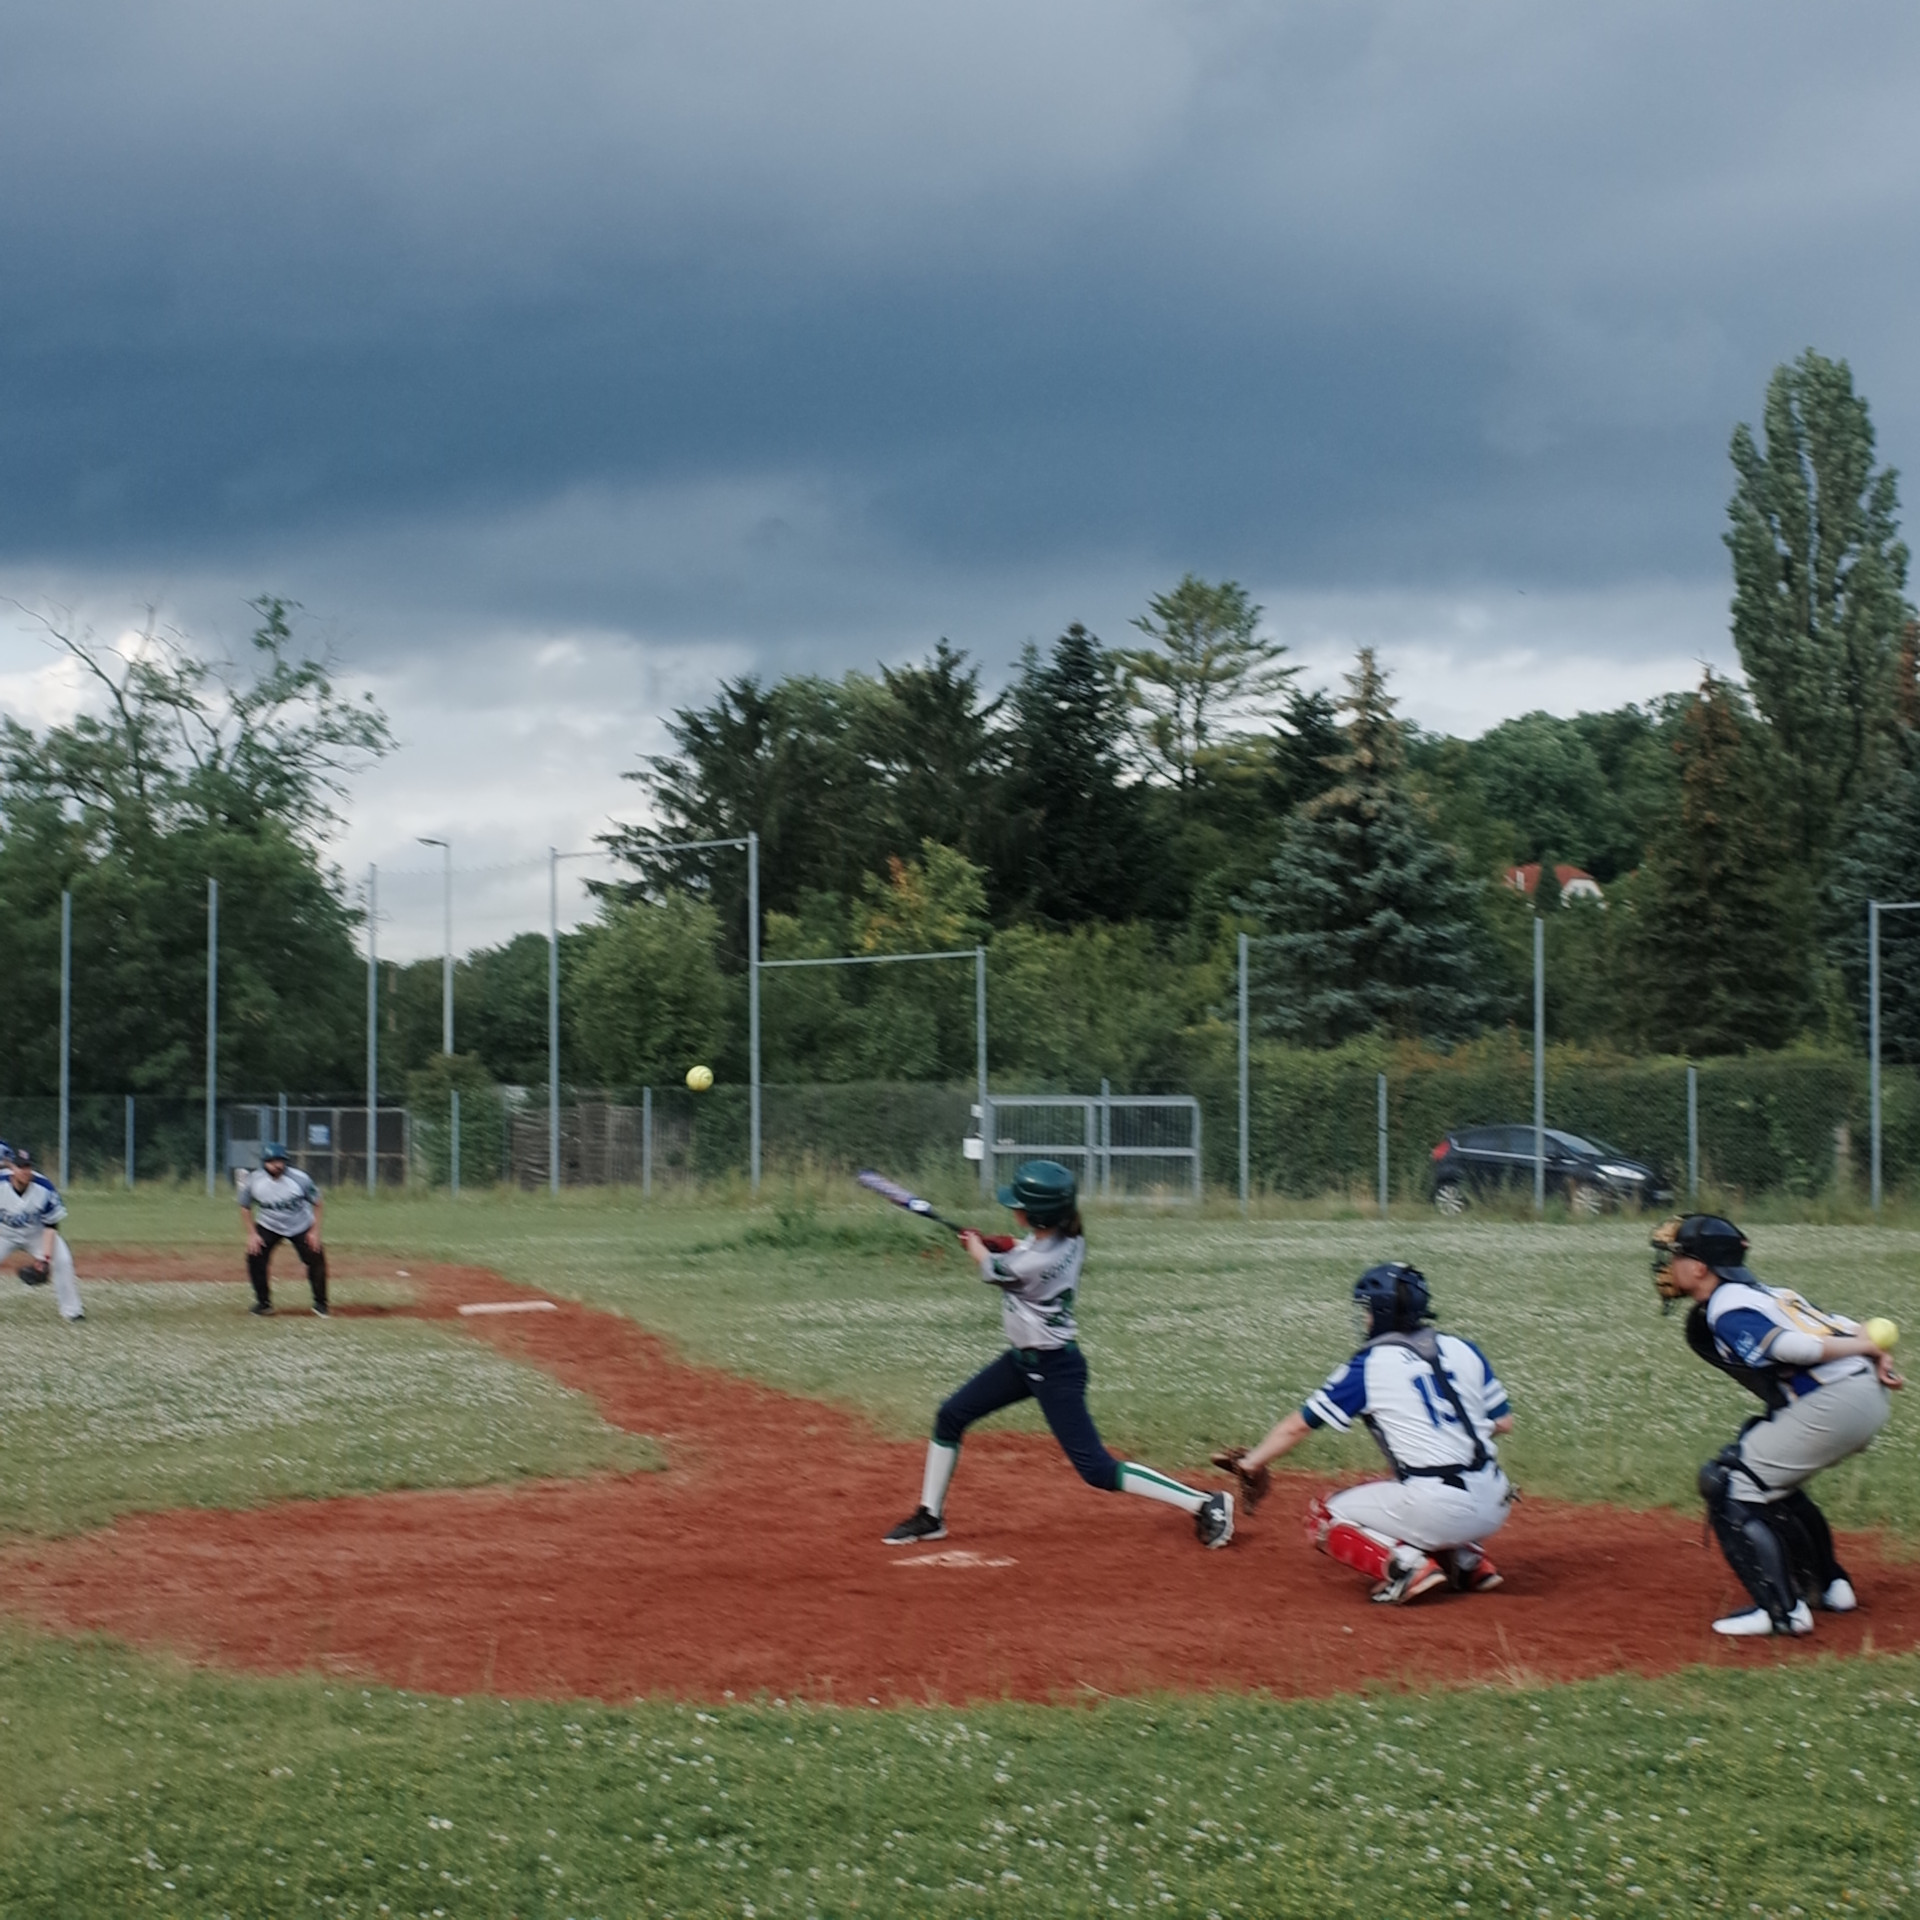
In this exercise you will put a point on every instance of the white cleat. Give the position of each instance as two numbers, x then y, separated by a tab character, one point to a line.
1840	1596
1756	1623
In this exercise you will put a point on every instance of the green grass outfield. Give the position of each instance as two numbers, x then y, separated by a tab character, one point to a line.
132	1785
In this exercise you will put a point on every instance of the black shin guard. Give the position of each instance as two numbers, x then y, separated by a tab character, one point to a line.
1753	1549
1811	1548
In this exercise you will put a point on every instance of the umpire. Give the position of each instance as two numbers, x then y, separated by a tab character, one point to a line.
279	1202
1824	1384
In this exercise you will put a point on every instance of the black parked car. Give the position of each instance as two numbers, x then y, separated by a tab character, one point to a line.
1586	1175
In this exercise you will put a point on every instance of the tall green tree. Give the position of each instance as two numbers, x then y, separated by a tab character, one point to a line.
1726	911
1205	683
1819	588
1880	860
1372	923
647	1000
1077	822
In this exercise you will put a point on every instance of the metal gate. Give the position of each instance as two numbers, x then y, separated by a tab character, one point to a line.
1123	1146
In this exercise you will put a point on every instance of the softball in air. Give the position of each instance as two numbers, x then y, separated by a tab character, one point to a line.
1883	1333
699	1078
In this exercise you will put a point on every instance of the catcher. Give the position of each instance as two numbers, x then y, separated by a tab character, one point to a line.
1433	1403
1824	1384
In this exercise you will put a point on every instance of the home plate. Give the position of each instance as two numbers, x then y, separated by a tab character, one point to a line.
510	1306
953	1557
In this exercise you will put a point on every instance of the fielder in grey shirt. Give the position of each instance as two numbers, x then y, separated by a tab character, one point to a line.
279	1202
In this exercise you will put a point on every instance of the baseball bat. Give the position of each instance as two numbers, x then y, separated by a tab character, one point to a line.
922	1209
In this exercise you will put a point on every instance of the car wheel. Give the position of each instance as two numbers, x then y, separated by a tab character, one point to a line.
1585	1200
1450	1198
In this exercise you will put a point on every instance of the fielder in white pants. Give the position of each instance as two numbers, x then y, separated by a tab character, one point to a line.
30	1213
1434	1404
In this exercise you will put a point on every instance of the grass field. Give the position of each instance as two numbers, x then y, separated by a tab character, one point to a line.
134	1785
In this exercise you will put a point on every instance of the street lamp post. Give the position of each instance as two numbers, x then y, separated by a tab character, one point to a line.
446	1016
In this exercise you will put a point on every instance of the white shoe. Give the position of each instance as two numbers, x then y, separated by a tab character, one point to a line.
1756	1622
1840	1596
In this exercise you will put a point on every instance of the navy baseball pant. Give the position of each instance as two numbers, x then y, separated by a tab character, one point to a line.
1057	1378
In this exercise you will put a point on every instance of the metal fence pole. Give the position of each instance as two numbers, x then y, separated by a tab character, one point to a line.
1106	1138
373	1026
281	1136
1873	1041
1693	1133
980	1067
1382	1124
753	1003
66	1026
453	1158
1246	1160
1539	1064
213	1014
129	1143
646	1143
553	1020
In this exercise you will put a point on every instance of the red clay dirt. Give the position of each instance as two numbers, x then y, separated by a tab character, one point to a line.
753	1564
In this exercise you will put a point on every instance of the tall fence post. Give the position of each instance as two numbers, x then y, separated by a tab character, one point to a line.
1873	1038
129	1143
373	1026
453	1158
66	1026
553	1020
980	1068
1539	1065
281	1136
1693	1133
213	1016
1382	1124
753	1005
1246	1157
646	1143
1106	1138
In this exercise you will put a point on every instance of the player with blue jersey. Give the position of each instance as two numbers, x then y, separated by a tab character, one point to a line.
1037	1279
1824	1383
30	1216
1434	1405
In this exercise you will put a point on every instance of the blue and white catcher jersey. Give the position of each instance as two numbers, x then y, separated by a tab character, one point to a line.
1393	1390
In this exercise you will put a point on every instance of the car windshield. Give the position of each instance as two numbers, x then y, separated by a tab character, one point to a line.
1593	1149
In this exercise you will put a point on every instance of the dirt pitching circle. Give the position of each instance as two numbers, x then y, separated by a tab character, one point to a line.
753	1565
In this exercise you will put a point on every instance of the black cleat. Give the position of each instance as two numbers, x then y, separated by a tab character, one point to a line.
1213	1524
919	1525
261	1306
320	1313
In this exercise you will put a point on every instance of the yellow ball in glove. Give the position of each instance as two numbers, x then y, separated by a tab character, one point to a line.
699	1078
1883	1333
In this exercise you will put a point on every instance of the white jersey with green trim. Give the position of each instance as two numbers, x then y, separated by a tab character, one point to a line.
1038	1278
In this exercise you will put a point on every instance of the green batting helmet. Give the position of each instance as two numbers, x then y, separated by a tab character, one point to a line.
1044	1191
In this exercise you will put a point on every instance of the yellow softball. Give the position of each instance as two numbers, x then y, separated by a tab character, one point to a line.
1882	1332
699	1078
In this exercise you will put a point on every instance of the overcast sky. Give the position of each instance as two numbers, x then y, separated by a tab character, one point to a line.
561	360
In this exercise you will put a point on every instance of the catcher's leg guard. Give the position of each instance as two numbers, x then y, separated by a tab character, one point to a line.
1357	1547
1810	1543
1752	1548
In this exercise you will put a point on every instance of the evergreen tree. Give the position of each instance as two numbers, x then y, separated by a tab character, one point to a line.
1726	916
1372	922
1881	861
1819	579
1076	850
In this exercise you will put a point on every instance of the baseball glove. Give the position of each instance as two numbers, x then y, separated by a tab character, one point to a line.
1253	1485
36	1273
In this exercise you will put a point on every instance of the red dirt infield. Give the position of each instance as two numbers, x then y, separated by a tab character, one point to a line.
753	1565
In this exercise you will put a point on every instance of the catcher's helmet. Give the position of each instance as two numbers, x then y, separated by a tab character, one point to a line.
1044	1191
1395	1298
1716	1243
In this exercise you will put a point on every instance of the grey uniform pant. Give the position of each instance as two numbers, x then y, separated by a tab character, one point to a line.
1788	1448
66	1288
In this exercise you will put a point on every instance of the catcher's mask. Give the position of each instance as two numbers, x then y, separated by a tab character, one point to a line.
1393	1299
1716	1243
1044	1191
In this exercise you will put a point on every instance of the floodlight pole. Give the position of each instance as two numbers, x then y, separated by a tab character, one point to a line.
553	1020
373	1027
446	964
1246	1153
753	1007
980	1065
213	1015
1875	908
66	1025
1539	1064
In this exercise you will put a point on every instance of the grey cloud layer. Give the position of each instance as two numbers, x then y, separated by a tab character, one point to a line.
765	325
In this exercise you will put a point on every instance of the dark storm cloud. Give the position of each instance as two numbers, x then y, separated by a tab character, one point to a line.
1344	294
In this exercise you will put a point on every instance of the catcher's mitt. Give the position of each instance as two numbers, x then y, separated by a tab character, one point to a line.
1253	1485
36	1273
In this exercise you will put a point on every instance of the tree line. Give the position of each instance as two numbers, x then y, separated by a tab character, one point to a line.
1108	824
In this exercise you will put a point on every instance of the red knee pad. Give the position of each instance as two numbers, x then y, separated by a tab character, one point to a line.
1355	1547
1319	1519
